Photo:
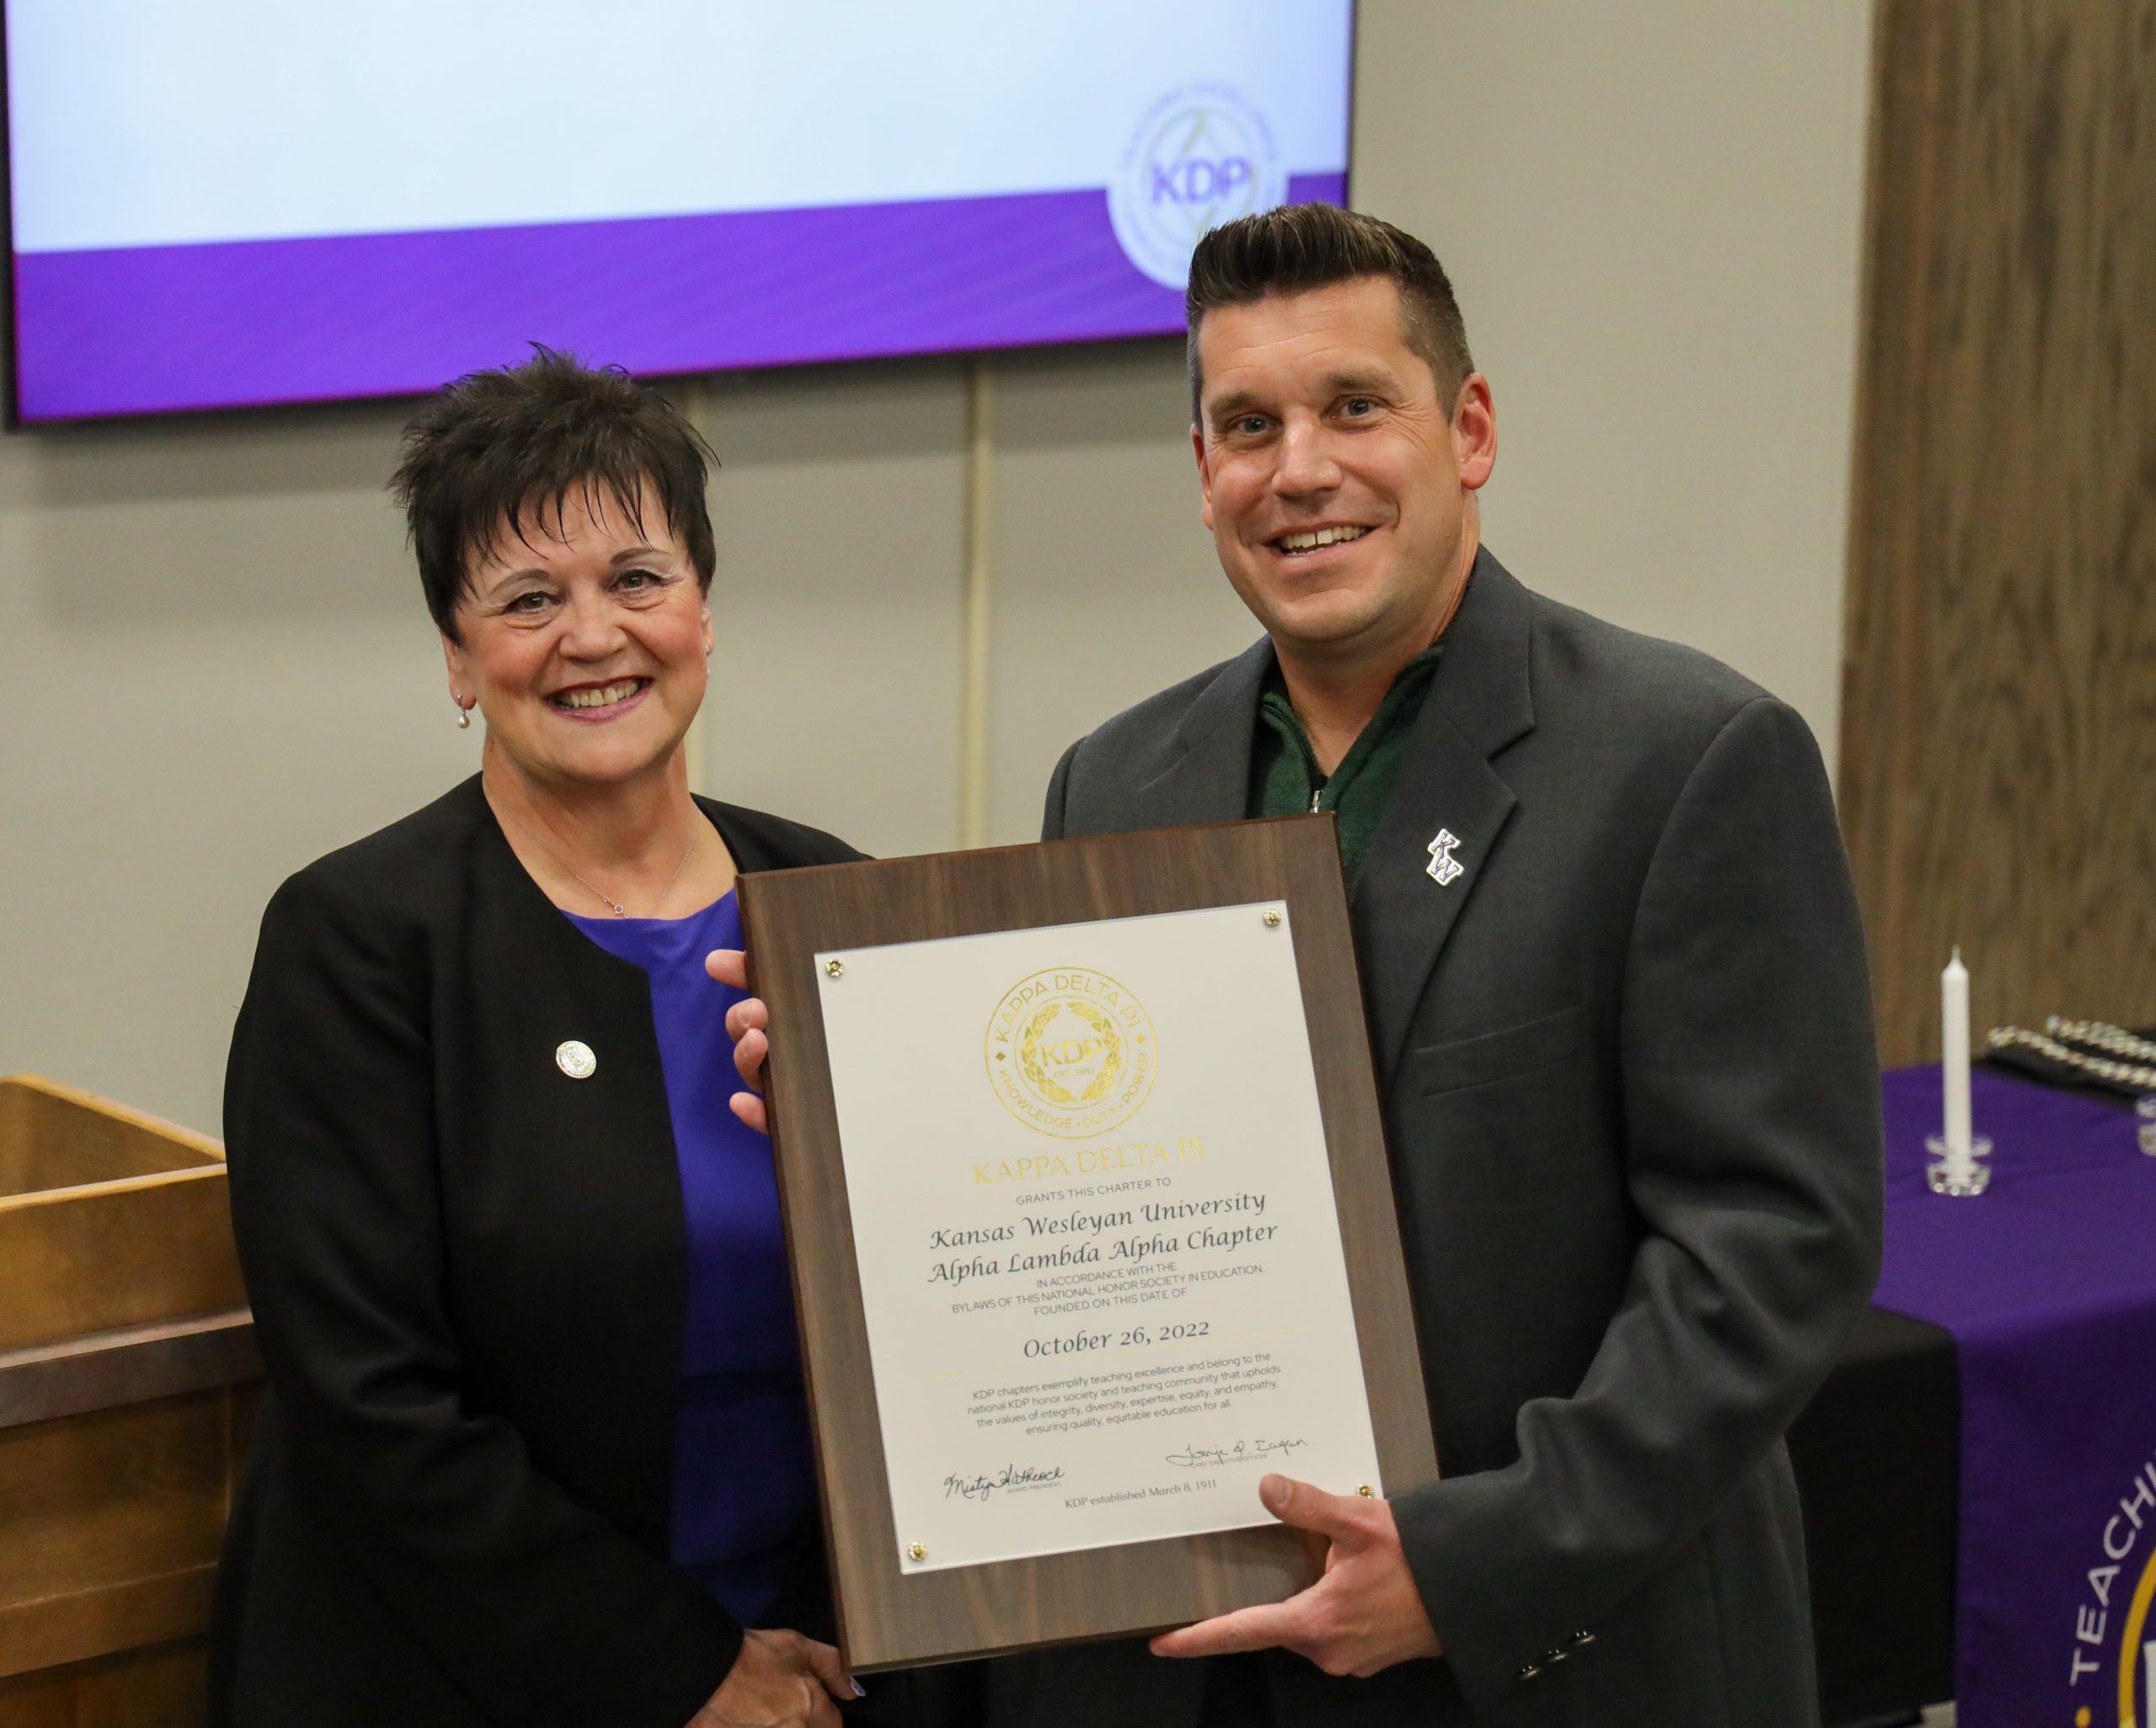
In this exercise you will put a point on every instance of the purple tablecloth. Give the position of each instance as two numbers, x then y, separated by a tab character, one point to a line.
2049	1284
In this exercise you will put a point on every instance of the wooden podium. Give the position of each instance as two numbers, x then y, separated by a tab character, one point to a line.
127	1378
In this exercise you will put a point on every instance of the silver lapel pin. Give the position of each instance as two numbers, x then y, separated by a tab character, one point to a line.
1444	868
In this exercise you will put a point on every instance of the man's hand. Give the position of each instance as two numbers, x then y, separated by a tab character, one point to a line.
745	1023
1362	1616
780	1680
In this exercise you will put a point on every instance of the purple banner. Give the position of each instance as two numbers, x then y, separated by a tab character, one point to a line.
2047	1282
149	329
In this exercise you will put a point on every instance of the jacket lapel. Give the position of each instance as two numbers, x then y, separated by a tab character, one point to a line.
1209	780
1479	703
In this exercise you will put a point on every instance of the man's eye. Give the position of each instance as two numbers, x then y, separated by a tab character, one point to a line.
1250	425
1356	406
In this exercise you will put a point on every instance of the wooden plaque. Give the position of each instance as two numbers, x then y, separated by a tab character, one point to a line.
889	1616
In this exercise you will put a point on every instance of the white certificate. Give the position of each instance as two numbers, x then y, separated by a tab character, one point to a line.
1099	1257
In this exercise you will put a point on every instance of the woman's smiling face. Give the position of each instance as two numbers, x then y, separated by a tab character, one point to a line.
581	635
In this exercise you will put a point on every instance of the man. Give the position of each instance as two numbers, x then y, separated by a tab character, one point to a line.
1618	1003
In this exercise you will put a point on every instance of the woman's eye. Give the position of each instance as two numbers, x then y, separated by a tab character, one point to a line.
533	601
637	581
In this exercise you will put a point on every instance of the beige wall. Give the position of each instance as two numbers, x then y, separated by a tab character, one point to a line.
1651	213
220	667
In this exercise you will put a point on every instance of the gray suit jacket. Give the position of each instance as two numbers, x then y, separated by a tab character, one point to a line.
1630	1085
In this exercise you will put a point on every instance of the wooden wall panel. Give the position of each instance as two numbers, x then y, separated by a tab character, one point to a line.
1999	740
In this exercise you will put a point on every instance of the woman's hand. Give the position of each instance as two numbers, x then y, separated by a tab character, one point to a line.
780	1680
745	1024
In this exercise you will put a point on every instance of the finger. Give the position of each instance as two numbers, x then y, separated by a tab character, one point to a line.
728	966
749	1050
1228	1635
817	1709
1308	1506
749	1108
824	1662
747	1015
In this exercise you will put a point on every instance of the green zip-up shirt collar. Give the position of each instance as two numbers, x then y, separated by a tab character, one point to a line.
1284	778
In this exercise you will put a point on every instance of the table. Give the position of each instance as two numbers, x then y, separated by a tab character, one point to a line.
1965	1466
1877	1450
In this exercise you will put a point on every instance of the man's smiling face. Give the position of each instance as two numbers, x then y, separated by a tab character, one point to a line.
1339	493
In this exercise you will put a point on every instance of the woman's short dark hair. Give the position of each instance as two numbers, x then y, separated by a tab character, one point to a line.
1299	247
500	451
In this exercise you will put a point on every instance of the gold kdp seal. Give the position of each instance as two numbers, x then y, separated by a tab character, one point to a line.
1071	1052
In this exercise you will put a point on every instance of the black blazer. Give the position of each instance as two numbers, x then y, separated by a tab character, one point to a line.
468	1273
1632	1104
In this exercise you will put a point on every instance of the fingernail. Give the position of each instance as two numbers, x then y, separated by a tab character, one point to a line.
859	1690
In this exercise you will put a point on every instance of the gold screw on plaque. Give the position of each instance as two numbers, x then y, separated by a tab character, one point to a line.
1273	918
835	969
917	1550
1367	1492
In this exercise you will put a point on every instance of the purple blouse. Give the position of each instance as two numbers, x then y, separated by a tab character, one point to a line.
743	1481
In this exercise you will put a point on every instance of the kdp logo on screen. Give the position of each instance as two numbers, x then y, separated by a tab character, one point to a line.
1201	156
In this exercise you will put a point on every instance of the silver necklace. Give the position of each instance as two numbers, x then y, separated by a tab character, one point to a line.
2119	1073
611	904
2112	1040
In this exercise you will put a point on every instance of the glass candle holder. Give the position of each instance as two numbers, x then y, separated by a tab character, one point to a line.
1962	1179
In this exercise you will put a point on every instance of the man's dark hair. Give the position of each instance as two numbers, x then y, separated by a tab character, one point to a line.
500	452
1299	247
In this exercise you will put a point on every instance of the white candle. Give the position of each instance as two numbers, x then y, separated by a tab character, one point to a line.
1954	1017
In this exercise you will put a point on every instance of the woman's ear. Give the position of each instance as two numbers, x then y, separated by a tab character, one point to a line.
461	682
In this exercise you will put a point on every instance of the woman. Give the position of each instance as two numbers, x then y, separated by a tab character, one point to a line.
534	1449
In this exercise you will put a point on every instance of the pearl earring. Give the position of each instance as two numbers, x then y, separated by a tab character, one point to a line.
463	717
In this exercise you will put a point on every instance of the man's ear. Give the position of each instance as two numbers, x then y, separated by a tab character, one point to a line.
1475	433
1204	473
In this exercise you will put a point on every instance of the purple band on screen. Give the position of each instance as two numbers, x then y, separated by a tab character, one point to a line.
150	329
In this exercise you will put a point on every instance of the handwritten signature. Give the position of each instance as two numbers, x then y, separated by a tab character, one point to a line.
1011	1476
1195	1457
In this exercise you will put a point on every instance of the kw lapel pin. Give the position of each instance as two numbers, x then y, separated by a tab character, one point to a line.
1444	868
